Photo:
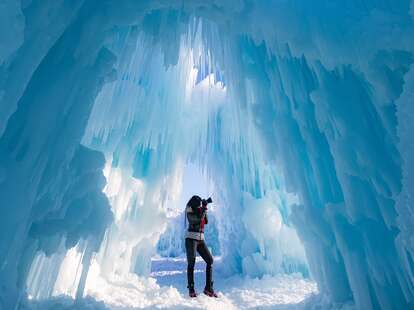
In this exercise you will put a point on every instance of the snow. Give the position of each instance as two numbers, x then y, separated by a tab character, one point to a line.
166	289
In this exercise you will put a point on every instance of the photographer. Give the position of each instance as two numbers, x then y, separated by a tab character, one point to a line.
196	213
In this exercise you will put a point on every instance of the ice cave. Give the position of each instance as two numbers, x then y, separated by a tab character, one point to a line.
294	115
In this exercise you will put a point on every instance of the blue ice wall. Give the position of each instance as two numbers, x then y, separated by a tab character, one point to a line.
50	184
307	123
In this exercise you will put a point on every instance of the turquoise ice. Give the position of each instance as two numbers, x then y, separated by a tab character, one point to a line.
296	116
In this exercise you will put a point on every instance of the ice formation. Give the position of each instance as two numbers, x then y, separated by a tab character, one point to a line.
297	115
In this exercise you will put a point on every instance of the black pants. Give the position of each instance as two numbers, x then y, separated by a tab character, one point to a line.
192	246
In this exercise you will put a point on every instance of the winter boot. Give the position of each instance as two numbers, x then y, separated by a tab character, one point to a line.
191	291
209	291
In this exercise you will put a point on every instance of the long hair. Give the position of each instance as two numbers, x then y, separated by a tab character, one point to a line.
194	202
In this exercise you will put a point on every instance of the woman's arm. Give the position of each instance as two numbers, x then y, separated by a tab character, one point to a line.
194	215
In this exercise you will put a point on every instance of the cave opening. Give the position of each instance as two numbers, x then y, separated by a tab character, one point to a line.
168	132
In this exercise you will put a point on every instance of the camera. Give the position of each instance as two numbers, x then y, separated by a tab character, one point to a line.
207	201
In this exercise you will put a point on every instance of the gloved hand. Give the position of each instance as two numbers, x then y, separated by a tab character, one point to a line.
204	204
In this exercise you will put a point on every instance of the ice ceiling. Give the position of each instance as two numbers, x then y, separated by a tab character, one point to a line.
299	113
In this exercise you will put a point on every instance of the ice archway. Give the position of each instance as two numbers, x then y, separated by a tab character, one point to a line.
300	112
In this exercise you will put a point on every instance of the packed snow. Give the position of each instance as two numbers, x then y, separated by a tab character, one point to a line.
166	289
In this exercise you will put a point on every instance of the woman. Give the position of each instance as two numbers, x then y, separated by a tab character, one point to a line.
196	212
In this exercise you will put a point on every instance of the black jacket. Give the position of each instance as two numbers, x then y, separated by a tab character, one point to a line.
197	218
196	214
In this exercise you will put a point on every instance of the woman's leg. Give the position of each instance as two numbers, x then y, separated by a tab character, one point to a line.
190	248
204	252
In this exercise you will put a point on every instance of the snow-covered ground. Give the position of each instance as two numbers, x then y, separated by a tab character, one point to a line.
166	289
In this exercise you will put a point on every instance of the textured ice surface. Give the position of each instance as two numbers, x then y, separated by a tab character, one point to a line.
298	113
